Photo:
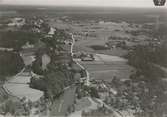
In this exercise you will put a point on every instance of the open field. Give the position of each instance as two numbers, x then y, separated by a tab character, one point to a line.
19	87
105	67
107	63
96	34
23	90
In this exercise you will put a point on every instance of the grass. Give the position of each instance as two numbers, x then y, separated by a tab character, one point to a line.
105	68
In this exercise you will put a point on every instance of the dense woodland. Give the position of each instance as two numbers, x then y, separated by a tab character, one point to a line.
149	94
16	39
11	61
144	59
10	64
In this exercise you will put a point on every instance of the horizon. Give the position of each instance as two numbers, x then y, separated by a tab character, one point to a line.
83	3
84	6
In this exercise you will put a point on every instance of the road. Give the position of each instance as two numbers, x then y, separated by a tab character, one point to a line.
87	82
72	45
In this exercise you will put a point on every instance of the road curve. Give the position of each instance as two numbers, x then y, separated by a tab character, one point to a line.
87	73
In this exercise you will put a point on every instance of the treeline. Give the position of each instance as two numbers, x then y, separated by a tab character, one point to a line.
16	39
143	59
10	64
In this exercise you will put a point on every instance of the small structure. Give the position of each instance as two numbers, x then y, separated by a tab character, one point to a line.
52	31
87	57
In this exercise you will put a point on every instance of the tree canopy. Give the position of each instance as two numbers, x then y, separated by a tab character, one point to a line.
10	63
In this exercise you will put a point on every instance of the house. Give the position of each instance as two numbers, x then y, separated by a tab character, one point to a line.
87	57
52	31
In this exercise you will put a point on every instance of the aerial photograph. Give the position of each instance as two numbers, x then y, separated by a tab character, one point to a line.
83	58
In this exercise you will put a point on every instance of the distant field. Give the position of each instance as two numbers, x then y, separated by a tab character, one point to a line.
133	15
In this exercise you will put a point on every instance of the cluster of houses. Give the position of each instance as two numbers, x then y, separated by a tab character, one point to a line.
129	43
18	22
115	43
84	56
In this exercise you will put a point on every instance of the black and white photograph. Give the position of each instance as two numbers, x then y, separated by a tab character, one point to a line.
83	58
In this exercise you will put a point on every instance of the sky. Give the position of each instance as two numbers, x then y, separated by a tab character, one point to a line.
114	3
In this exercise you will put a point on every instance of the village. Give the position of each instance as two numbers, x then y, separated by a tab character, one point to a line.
90	66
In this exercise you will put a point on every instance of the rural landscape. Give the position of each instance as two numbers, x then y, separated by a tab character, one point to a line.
83	61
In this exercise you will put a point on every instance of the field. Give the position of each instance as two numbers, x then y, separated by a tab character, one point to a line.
19	87
105	67
95	30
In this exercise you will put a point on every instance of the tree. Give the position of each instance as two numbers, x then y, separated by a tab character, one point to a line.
94	92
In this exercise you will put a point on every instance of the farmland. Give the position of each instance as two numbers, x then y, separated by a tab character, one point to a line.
93	60
105	67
